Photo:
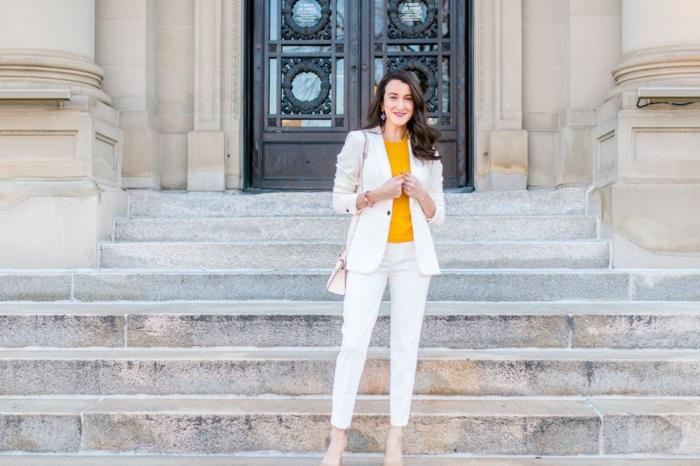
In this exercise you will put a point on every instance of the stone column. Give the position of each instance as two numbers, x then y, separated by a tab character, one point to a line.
647	166
60	167
660	43
50	44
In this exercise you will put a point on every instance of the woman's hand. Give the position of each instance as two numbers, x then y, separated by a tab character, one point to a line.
412	187
391	189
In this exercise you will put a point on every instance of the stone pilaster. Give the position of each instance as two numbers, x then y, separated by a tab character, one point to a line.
233	117
501	148
126	49
206	144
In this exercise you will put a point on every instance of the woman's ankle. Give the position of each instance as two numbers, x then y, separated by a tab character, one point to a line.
396	429
337	434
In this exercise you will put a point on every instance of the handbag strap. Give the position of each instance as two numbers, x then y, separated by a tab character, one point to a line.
362	164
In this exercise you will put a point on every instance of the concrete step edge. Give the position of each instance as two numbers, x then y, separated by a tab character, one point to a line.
365	404
339	242
334	308
349	459
294	353
554	216
322	271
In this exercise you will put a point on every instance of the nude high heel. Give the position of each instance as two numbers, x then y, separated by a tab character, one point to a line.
393	463
400	462
323	463
345	444
332	464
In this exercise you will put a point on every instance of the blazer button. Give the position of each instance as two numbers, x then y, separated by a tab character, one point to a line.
388	212
347	210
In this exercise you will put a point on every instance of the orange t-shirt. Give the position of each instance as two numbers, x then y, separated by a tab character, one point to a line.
400	228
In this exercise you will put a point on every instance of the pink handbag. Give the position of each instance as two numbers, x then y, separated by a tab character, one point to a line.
338	279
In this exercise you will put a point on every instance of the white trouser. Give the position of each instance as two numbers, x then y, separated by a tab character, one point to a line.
363	296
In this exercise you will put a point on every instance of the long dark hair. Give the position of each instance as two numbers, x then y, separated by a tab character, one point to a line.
423	136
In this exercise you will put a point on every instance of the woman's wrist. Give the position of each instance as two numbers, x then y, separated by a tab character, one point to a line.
364	199
424	197
371	196
427	204
360	201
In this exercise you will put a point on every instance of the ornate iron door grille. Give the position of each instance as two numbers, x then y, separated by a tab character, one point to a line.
316	64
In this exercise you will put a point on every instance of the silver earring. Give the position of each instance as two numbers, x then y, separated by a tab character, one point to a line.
382	116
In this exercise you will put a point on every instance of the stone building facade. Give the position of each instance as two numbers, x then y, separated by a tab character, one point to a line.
101	96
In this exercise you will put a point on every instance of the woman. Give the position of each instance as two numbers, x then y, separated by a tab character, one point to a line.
402	194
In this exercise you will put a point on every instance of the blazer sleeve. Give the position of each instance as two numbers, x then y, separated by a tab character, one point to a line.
347	174
436	192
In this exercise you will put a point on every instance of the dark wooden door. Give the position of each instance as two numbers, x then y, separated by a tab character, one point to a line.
315	66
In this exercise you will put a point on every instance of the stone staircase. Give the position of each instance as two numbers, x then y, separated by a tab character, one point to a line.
206	337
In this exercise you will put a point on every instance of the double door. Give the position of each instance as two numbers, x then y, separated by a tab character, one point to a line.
316	64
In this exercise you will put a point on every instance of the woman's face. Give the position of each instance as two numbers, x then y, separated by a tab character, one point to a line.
398	102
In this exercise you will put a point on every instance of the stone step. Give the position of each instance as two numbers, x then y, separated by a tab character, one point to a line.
530	426
349	459
181	204
454	325
309	371
307	284
296	254
317	228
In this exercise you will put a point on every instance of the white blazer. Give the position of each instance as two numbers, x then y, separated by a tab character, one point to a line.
370	239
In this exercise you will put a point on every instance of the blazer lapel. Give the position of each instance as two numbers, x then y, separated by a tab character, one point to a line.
413	164
411	157
383	157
